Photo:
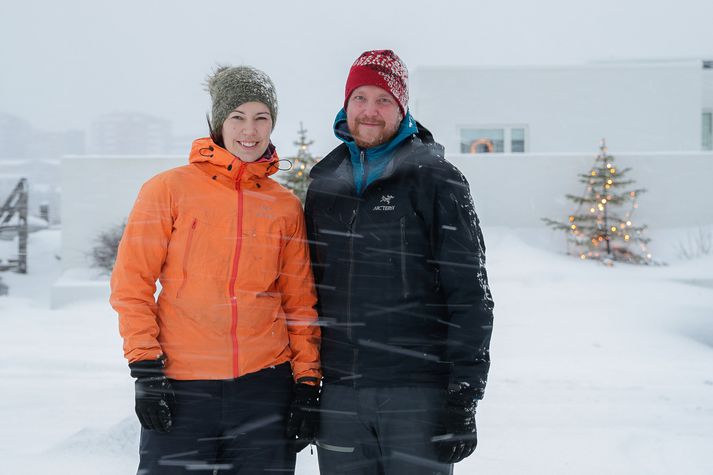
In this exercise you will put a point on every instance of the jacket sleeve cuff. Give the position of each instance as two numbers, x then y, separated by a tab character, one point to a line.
147	368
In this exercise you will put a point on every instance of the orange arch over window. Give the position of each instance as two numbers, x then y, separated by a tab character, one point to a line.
487	142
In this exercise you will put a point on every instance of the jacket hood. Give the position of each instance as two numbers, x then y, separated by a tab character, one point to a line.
406	128
419	136
204	150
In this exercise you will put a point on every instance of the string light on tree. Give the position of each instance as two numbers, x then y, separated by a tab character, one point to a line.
601	226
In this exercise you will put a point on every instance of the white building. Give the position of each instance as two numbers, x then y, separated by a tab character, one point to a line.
546	121
639	106
129	133
15	137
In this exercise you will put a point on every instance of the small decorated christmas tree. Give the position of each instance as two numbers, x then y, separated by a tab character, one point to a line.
297	177
601	227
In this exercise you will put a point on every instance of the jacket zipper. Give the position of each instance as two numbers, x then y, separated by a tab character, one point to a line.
186	254
352	220
362	159
234	272
350	271
404	281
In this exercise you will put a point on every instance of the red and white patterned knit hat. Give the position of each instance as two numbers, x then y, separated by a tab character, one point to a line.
380	68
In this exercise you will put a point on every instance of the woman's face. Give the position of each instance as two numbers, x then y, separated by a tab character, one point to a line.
246	131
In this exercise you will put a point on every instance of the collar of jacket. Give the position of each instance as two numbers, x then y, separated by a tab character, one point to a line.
384	151
336	165
205	152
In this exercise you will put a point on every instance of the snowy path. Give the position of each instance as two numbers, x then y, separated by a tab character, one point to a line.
595	370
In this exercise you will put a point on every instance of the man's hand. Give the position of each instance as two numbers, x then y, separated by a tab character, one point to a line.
155	400
460	436
303	417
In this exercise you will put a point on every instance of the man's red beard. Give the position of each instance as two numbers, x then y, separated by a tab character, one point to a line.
373	140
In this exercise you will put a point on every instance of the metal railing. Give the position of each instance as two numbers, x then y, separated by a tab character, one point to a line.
16	207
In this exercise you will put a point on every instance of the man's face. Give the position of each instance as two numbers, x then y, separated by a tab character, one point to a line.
373	116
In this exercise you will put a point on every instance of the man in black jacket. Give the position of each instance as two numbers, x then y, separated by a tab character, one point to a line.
399	264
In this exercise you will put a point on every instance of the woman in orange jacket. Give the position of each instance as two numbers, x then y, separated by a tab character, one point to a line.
226	360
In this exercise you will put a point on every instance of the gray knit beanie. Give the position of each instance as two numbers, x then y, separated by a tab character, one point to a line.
230	87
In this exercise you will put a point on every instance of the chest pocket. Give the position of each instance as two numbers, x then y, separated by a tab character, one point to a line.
399	234
199	254
260	254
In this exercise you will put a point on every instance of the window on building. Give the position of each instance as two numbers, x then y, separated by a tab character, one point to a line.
492	140
517	140
482	141
707	130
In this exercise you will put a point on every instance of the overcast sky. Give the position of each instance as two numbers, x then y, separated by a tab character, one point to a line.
62	63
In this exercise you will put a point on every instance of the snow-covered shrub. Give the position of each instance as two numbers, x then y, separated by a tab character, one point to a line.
103	253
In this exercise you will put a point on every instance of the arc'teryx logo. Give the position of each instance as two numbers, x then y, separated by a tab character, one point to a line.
388	206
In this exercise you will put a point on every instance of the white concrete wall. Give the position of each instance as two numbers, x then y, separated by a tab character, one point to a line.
509	189
707	100
517	190
638	107
98	193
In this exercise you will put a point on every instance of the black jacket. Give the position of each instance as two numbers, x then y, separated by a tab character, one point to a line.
400	271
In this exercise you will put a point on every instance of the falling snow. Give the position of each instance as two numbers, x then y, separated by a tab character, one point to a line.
595	369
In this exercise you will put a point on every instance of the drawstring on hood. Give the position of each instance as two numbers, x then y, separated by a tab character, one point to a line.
205	152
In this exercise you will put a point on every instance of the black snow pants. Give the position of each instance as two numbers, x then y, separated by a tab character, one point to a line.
224	427
379	431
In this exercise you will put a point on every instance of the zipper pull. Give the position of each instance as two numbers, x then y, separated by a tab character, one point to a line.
362	159
351	220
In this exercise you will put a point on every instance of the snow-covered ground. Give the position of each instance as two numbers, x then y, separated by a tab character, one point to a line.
595	369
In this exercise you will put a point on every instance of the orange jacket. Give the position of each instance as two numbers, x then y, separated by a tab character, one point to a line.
228	246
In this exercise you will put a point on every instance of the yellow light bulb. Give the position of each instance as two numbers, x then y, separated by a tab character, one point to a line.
613	228
574	226
626	237
604	201
591	210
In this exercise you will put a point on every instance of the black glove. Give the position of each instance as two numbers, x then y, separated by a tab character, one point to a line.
155	400
460	436
303	417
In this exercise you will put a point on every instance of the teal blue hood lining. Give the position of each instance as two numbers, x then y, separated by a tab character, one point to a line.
376	158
